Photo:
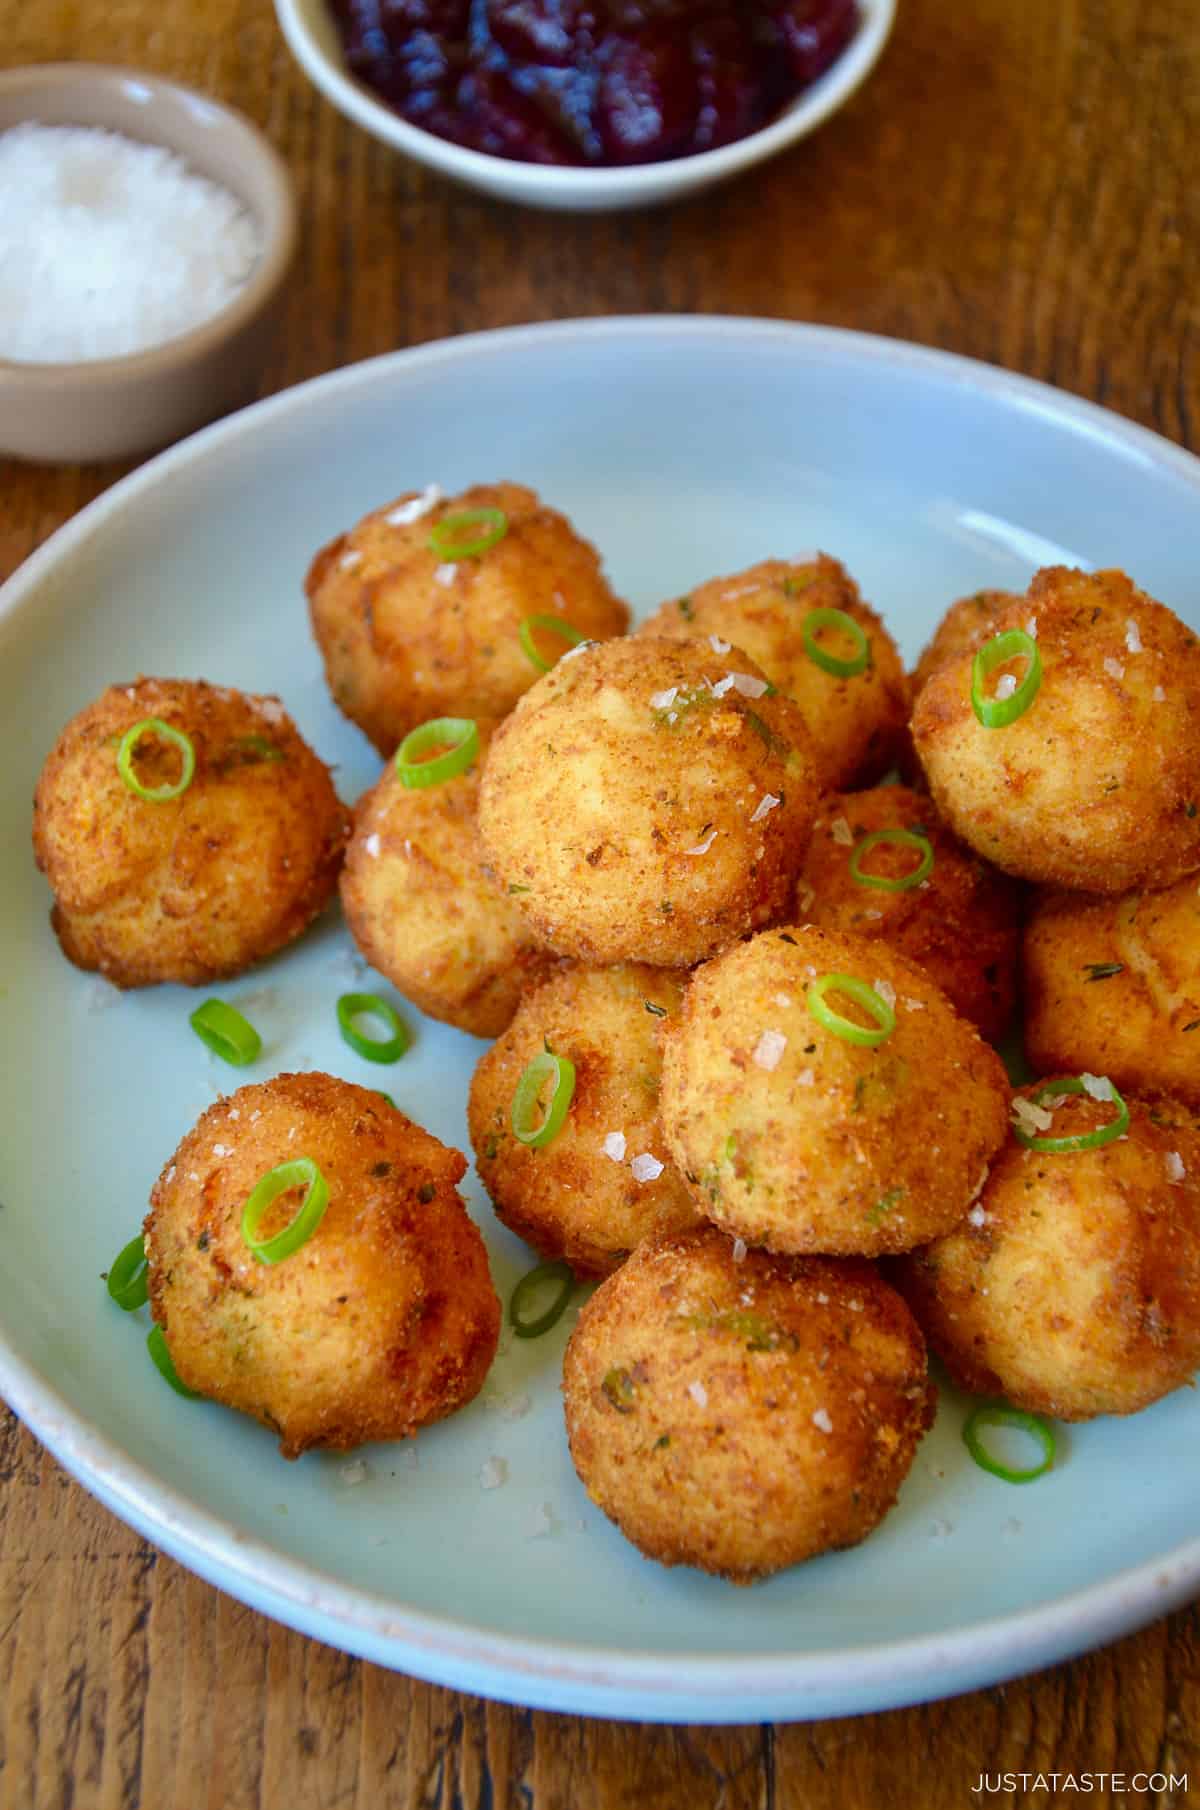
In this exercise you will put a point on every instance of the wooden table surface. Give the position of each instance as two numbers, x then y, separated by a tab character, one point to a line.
1018	181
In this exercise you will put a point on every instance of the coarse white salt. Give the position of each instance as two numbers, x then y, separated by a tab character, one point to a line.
1133	639
373	844
351	558
805	1078
352	1474
614	1146
580	647
663	700
914	1005
841	832
221	1150
977	1216
702	848
235	1112
1031	628
739	1250
1159	695
769	1049
718	646
782	1000
1175	1168
1029	1117
821	1420
108	246
645	1168
492	1473
444	574
170	1176
193	1175
415	507
723	685
540	1523
1113	668
1097	1087
747	686
766	803
1006	685
886	992
698	1393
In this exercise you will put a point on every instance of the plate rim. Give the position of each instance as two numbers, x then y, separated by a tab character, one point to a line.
438	1645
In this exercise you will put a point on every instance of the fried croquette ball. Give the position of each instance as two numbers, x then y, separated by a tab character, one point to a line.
649	801
856	720
796	1136
1073	1289
967	624
1114	985
605	1181
198	886
1096	785
961	923
383	1321
425	912
742	1416
408	632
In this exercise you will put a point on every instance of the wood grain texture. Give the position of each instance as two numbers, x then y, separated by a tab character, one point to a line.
1017	182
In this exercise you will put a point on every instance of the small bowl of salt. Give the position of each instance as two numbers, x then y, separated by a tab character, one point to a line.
145	234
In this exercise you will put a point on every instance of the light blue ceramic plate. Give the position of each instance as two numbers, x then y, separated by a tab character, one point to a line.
683	448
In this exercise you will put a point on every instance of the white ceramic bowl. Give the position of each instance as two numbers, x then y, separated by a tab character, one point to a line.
312	35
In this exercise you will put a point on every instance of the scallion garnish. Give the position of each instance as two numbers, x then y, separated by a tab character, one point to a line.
452	538
154	725
1087	1140
300	1172
548	625
531	1285
127	1276
226	1032
527	1126
997	712
457	736
156	1345
906	838
814	622
862	995
999	1414
352	1006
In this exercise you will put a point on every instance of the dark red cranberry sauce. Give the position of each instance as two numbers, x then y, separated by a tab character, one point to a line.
591	81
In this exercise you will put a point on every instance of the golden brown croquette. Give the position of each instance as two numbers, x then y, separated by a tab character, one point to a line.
385	1320
742	1416
197	887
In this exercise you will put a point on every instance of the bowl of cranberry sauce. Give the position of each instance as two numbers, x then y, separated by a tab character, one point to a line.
587	103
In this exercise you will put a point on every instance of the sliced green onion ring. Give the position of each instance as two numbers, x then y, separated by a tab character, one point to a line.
301	1172
812	625
862	995
127	1276
154	725
1087	1140
527	1126
458	736
156	1345
908	839
226	1032
376	1049
999	1414
531	1284
452	539
548	625
994	712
